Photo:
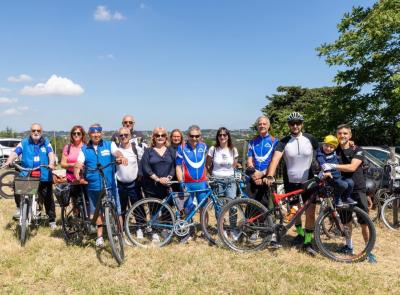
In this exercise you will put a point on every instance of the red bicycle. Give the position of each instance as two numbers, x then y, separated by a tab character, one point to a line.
246	225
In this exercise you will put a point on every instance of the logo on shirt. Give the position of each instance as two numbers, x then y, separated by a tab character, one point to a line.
267	145
43	149
105	153
200	150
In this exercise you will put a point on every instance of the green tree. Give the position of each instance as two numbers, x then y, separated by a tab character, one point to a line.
368	53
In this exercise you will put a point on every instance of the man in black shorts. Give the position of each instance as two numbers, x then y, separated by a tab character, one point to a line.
351	158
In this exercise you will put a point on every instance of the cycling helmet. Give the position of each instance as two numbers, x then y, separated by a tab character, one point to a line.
371	186
61	192
295	116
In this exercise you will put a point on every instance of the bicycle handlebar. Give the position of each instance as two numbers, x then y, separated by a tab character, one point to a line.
31	169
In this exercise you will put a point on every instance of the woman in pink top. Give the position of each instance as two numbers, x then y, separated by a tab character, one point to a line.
70	156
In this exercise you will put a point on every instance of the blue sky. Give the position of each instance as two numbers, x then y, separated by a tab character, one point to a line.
169	63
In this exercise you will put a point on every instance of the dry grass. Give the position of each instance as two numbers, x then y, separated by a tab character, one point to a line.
47	265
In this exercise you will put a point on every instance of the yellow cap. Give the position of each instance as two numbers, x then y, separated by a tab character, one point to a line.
332	140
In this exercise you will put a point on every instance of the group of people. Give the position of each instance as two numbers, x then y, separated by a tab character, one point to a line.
146	170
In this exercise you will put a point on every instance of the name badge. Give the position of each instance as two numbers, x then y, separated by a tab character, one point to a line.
36	159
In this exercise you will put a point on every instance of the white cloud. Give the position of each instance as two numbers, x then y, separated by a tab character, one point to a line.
103	14
20	78
7	100
15	111
2	89
54	86
107	56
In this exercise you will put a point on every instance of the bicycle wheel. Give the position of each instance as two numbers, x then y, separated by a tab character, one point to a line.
72	224
245	225
378	199
390	213
23	222
7	184
209	219
150	223
350	224
115	234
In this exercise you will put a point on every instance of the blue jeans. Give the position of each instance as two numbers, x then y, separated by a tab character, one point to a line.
343	187
128	192
227	187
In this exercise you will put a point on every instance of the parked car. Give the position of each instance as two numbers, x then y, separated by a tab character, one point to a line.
7	145
381	153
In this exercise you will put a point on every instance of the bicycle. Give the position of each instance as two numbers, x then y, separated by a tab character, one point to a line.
390	210
255	224
152	221
76	222
7	184
27	187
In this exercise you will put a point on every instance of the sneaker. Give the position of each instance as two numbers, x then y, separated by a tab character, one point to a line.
139	234
236	235
165	233
274	242
308	249
185	239
298	240
350	201
156	238
338	203
253	238
346	250
100	242
17	214
53	225
371	258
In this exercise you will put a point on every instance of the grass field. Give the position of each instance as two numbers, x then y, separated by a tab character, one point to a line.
47	266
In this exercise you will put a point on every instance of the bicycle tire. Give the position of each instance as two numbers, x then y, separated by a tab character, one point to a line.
115	234
390	208
72	226
332	247
23	223
239	212
139	217
210	214
7	184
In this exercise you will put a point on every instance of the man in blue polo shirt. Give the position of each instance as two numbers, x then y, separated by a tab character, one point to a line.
36	150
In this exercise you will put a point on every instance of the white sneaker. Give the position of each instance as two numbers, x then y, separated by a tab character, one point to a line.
253	238
53	225
156	238
139	234
235	235
100	242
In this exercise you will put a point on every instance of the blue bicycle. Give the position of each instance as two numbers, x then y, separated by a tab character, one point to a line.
153	222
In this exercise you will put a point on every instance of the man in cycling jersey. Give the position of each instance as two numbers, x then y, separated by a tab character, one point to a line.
190	166
298	150
259	155
351	158
36	150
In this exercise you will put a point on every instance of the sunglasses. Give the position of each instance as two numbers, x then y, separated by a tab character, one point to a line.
36	130
77	133
160	135
194	136
128	122
295	123
126	135
223	135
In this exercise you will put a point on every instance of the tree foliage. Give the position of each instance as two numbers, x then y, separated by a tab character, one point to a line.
368	53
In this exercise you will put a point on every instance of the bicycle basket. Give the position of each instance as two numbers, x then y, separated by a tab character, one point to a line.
26	185
61	192
180	199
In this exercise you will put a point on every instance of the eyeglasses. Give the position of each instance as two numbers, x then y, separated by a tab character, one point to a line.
194	136
36	130
223	135
299	123
76	133
160	135
122	135
128	122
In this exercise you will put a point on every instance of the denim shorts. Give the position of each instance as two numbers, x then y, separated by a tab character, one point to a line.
226	187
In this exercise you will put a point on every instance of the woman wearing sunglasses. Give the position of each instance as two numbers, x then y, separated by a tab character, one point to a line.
70	152
221	162
158	167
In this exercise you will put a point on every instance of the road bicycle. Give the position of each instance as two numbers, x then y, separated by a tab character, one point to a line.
153	222
255	224
27	187
76	222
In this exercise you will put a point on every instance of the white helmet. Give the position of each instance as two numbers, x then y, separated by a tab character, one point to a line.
295	116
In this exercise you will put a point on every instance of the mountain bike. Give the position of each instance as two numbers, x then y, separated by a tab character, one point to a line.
27	187
255	224
153	222
76	221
